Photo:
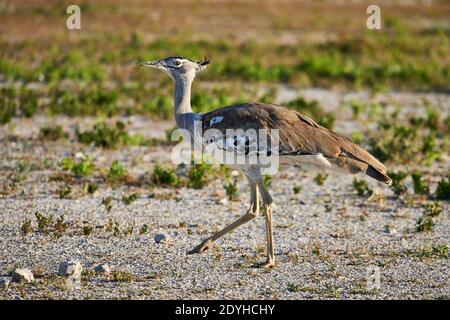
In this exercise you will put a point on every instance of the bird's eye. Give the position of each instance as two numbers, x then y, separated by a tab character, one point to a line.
177	63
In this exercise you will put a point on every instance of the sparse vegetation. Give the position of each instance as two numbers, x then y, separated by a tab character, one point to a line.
116	171
320	178
198	175
292	287
87	230
64	192
107	203
165	176
398	186
26	227
43	221
122	276
46	224
419	141
430	251
90	188
296	189
362	188
426	222
143	229
102	135
80	168
53	133
128	199
267	180
419	185
443	188
231	190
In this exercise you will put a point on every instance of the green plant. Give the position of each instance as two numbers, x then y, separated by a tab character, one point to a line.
130	198
116	171
60	226
143	229
105	136
64	192
440	250
297	189
80	168
107	203
362	188
419	185
292	287
267	180
426	222
122	276
164	176
357	107
44	222
128	231
427	251
7	104
356	137
198	175
87	230
433	209
231	190
320	178
28	103
91	188
53	133
394	142
398	187
443	188
26	227
430	149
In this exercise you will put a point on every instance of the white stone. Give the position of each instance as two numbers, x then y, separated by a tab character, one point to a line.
22	275
70	268
102	268
223	201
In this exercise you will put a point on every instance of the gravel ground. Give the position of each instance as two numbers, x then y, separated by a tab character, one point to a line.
327	238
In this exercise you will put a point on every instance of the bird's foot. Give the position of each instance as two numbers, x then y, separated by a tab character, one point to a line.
202	247
265	265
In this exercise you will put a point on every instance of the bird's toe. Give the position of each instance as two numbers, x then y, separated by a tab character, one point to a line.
202	247
264	265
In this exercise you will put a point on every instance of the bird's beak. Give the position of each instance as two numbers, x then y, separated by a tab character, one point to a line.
153	64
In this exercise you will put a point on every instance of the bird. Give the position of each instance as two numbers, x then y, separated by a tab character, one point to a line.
300	141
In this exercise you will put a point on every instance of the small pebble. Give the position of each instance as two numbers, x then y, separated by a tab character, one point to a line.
102	268
160	238
223	201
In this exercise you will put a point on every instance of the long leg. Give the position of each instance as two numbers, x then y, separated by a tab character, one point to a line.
268	205
252	213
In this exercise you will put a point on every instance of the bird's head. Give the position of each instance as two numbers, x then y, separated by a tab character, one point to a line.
177	67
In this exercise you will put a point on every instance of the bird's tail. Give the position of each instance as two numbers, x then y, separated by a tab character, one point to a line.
378	175
351	165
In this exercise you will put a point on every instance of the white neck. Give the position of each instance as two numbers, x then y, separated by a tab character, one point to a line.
182	95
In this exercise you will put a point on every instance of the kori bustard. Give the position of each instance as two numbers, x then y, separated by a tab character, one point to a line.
300	141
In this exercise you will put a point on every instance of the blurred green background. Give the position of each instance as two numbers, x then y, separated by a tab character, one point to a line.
44	67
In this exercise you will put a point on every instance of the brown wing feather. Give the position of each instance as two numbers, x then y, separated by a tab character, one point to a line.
298	134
